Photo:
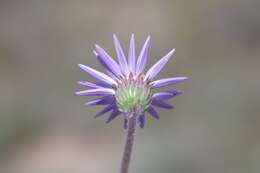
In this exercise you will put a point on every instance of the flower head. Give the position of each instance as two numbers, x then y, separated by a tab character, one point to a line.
125	88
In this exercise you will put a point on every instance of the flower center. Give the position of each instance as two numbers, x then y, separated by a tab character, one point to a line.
133	94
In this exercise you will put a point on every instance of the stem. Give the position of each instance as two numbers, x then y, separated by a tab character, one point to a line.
128	144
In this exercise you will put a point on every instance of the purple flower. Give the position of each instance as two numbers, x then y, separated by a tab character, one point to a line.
125	88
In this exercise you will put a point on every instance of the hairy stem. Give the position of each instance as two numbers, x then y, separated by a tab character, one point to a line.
128	144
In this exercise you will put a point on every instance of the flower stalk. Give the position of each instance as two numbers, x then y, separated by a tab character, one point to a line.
130	134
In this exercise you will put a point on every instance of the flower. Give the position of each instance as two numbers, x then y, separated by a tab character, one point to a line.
125	88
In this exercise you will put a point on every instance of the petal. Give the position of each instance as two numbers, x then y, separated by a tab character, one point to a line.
156	68
161	104
152	112
96	92
131	54
121	56
100	60
103	85
101	101
141	120
111	75
105	110
89	84
110	63
162	96
113	115
142	59
167	81
98	75
165	95
109	72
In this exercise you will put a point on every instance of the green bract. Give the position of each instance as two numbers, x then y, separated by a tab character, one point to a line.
134	95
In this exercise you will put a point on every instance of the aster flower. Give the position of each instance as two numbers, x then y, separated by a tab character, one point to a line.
126	89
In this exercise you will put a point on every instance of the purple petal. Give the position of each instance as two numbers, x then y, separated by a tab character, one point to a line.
103	85
165	95
111	75
161	104
89	84
121	56
101	101
109	72
98	75
125	123
110	63
113	115
105	110
141	120
131	54
162	96
156	68
96	92
142	59
168	81
153	112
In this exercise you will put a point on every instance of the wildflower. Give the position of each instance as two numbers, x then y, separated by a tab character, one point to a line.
125	88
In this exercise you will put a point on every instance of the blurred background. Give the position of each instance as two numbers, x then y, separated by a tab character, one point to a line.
214	128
